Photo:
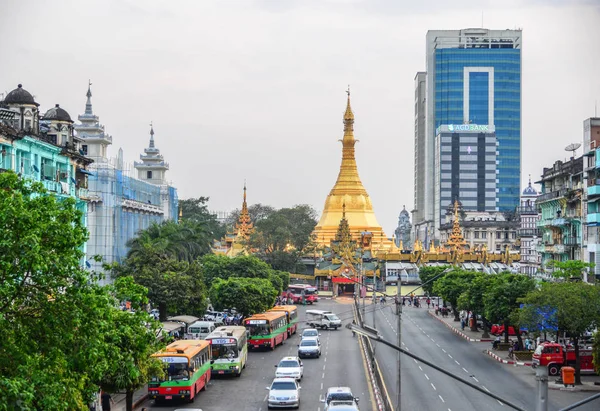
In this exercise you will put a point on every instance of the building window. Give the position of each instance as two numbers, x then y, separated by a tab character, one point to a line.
484	235
476	234
498	233
149	175
84	149
27	124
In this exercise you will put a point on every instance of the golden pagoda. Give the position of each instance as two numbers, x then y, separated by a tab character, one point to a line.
244	226
233	243
456	241
349	191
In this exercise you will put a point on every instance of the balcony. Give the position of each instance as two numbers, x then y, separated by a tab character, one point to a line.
571	241
553	195
593	191
52	186
593	219
531	210
528	232
83	193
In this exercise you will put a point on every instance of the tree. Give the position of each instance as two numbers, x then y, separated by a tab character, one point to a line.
257	212
175	287
570	269
427	273
502	300
186	241
281	237
130	340
51	346
196	210
451	286
242	266
247	295
472	298
576	308
596	352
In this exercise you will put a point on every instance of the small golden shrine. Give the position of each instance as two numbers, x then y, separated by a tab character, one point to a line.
350	194
456	241
233	243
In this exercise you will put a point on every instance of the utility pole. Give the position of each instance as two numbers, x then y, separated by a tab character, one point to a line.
399	354
541	376
374	305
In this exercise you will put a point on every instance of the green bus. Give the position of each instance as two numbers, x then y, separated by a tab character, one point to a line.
267	329
291	314
229	347
187	366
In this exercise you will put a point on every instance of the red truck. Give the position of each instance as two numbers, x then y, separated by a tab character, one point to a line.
295	292
555	356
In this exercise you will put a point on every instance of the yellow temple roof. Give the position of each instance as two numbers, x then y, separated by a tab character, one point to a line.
349	191
244	225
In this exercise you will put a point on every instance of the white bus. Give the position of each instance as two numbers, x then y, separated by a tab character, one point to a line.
229	346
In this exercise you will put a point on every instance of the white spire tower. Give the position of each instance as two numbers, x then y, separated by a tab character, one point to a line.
153	167
94	141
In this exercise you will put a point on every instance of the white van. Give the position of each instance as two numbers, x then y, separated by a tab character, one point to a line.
200	329
323	319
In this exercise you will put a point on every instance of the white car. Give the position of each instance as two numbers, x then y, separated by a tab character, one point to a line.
337	395
290	367
310	333
284	393
309	347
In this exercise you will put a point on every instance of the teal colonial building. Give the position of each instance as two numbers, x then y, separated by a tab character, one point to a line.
560	206
43	149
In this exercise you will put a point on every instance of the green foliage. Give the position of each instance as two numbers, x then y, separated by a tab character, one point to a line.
248	295
50	351
576	305
426	273
570	269
242	266
60	330
130	341
175	287
596	352
452	285
282	235
257	212
196	210
184	242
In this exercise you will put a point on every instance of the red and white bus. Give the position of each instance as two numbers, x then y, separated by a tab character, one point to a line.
296	291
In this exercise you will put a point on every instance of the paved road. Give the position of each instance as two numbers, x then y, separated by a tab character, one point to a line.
341	363
426	389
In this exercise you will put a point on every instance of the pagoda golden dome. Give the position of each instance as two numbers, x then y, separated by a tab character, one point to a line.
349	191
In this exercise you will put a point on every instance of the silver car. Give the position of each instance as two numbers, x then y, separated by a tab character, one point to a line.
284	393
309	347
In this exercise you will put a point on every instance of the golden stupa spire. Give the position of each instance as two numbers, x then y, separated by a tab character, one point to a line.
456	239
349	191
244	226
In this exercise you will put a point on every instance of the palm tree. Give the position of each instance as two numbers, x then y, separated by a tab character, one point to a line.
185	242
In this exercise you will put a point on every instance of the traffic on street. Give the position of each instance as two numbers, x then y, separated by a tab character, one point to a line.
340	364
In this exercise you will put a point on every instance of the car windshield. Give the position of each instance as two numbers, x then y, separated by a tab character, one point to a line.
331	317
340	396
288	364
311	333
228	351
283	385
308	343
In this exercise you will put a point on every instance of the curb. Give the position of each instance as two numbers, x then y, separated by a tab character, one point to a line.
459	333
140	401
503	361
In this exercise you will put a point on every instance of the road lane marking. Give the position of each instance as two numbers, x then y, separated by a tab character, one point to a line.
457	362
465	370
416	362
437	344
321	385
476	380
485	388
441	398
323	367
323	376
420	368
426	376
450	356
443	350
266	396
499	402
433	386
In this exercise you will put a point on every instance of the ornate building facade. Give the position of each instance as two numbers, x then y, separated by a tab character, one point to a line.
403	231
120	204
528	232
349	191
43	149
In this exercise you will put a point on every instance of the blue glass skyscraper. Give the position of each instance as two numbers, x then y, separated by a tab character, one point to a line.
474	77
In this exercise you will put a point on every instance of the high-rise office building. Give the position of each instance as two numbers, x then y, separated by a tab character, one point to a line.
473	77
420	160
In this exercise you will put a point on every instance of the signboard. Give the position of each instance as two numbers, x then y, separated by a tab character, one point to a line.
172	360
256	322
217	341
465	128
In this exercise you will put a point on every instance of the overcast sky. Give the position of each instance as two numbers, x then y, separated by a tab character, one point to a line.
254	89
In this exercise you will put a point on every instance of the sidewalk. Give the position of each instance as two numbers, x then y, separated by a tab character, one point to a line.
467	334
139	397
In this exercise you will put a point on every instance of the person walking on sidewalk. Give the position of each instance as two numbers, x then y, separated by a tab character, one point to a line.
106	400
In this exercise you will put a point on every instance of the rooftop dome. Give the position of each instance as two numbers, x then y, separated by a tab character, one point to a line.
19	96
529	191
57	113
